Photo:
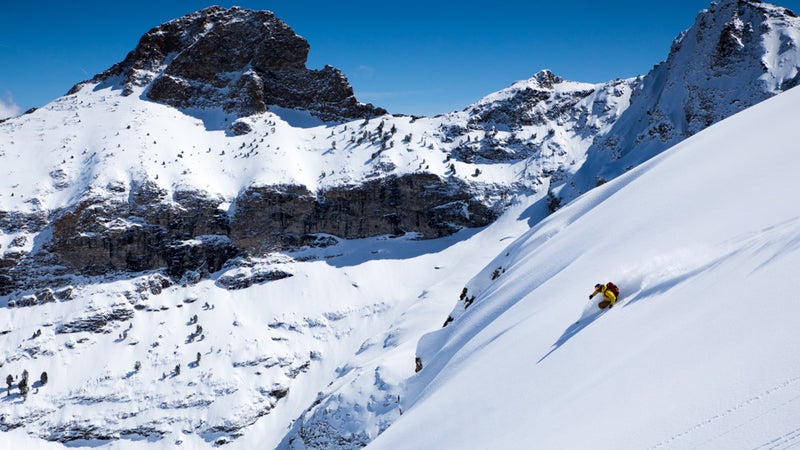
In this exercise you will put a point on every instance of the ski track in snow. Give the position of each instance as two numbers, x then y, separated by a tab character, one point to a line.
747	412
705	334
344	332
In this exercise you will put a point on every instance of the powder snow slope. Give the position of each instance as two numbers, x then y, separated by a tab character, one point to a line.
696	240
701	351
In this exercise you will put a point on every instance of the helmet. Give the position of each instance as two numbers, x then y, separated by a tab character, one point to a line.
598	285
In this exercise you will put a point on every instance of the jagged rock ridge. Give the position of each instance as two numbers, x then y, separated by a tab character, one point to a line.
735	55
239	60
545	119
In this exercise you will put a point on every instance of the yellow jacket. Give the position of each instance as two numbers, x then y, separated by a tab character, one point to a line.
607	294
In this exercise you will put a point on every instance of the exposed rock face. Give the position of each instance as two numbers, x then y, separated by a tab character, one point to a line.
277	216
97	322
188	232
239	60
736	54
519	109
12	221
11	258
243	281
545	117
146	232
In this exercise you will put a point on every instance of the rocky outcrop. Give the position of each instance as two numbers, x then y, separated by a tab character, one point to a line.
43	296
96	323
236	59
14	221
736	54
544	118
187	232
243	280
148	231
274	217
518	107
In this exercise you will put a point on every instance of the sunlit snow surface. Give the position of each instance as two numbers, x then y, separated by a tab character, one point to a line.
700	352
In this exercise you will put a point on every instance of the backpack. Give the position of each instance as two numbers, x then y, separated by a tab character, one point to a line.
613	288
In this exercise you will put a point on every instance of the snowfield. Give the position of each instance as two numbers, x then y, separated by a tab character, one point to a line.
702	349
484	339
343	327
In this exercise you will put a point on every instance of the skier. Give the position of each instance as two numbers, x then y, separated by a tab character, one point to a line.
609	292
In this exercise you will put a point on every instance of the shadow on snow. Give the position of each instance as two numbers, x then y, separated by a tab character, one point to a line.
590	313
348	253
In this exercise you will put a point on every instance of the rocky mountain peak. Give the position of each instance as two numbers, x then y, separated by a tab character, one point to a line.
731	41
732	30
236	59
735	55
546	79
544	100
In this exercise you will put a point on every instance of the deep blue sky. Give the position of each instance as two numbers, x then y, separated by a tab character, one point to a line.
409	57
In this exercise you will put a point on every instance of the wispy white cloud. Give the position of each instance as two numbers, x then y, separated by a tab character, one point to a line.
366	71
8	107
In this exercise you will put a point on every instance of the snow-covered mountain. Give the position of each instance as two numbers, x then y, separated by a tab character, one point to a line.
203	249
736	54
699	352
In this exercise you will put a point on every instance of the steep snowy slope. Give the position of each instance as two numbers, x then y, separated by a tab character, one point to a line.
217	253
175	188
700	352
235	358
